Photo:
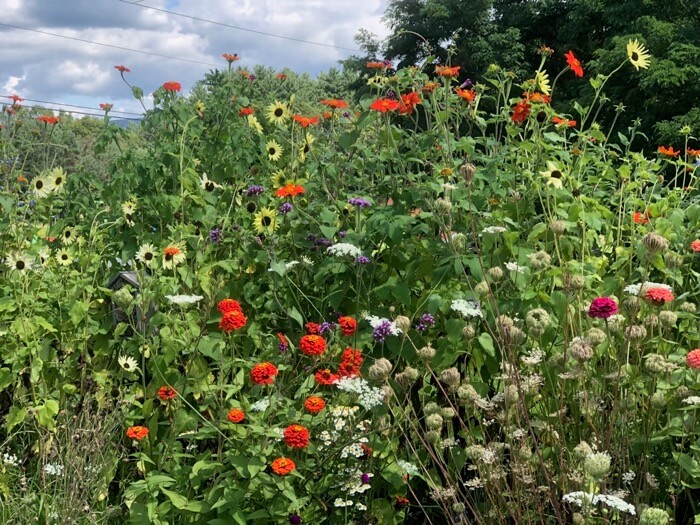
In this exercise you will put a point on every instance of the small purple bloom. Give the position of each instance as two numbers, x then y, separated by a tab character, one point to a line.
466	83
359	202
286	208
295	519
323	241
252	78
215	236
346	114
327	327
424	322
362	260
254	190
283	348
365	478
382	330
342	234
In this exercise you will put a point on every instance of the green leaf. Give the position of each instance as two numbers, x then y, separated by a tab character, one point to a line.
46	413
14	417
78	311
294	314
486	342
346	140
178	501
137	92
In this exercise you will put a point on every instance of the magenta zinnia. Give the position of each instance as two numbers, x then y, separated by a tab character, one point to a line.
603	307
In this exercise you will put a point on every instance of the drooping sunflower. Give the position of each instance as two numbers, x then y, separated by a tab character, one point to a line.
173	255
43	256
542	81
57	178
42	187
18	262
64	257
265	221
306	146
209	185
129	209
638	55
254	123
553	174
278	179
278	113
146	254
274	150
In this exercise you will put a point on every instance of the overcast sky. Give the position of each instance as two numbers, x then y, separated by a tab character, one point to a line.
40	66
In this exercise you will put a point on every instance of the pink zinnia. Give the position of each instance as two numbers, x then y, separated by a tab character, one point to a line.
659	296
603	307
693	358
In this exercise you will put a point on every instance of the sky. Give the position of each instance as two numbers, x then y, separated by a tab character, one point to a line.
39	66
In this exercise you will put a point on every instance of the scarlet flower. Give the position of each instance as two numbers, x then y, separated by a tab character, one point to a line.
537	97
312	328
48	120
641	218
375	65
602	307
305	122
281	76
325	377
384	105
228	305
429	87
16	99
695	245
296	436
574	63
445	71
348	370
106	107
122	69
235	415
668	151
352	356
564	122
466	94
659	296
312	344
327	114
693	358
244	112
348	325
172	86
231	57
166	393
411	98
290	190
233	320
137	432
283	466
335	103
520	111
400	502
264	373
314	404
693	152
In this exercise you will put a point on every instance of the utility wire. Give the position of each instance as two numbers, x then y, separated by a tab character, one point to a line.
100	115
110	45
73	105
236	27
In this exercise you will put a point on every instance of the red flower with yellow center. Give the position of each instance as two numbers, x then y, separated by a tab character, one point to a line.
312	328
641	218
409	100
520	112
537	97
233	320
325	377
693	152
659	296
264	373
466	94
171	251
385	105
290	190
668	151
564	122
172	86
231	57
136	432
48	119
351	356
348	325
375	65
445	71
244	112
283	466
166	393
429	87
235	415
334	103
296	436
574	63
305	122
314	404
228	305
312	344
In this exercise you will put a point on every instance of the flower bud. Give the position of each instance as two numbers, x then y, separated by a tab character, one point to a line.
403	323
434	422
655	243
467	171
495	273
557	227
426	353
597	465
635	332
450	377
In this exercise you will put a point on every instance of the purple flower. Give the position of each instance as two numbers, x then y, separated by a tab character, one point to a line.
254	190
346	114
342	234
294	519
466	83
327	327
365	478
359	202
362	260
382	330
424	322
215	236
286	208
323	241
252	78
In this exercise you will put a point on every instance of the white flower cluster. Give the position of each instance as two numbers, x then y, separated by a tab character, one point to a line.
354	449
375	321
514	267
354	485
10	459
341	414
368	396
532	358
467	308
184	299
261	405
493	229
635	289
581	498
53	470
343	248
692	400
407	468
339	502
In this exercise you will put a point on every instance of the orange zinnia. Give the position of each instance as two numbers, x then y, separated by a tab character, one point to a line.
409	100
122	69
283	466
325	377
520	111
233	320
574	63
641	218
668	151
335	103
235	415
312	344
231	57
375	65
564	121
296	436
166	393
264	373
384	105
314	404
348	325
48	120
172	86
429	87
305	122
466	94
290	190
244	112
137	432
228	305
445	71
538	98
693	152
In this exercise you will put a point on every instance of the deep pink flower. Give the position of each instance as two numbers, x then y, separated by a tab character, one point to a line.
603	307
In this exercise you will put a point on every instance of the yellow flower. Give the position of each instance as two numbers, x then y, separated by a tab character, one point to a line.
638	54
265	221
274	150
254	123
173	255
18	263
278	179
277	112
42	187
306	146
542	80
64	257
554	175
57	178
377	81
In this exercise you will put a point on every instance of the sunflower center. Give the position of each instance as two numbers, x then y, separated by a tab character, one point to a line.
148	256
67	234
635	56
250	207
271	151
59	181
556	174
209	186
306	148
39	184
168	257
20	265
64	256
266	221
279	112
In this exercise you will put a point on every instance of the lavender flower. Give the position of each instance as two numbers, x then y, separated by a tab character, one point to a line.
342	234
254	190
382	330
327	327
359	202
424	322
286	208
365	478
346	114
215	236
362	260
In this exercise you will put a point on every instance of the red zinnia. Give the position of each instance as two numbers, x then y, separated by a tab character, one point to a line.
166	393
574	63
312	344
137	432
231	57
16	99
122	69
668	151
641	218
290	190
325	377
228	305
106	107
172	86
235	415
384	105
348	325
296	436
410	100
537	97
445	71
693	358
695	245
264	373
603	307
283	466
335	103
233	320
564	121
659	296
305	122
314	404
520	111
244	112
312	328
689	151
352	356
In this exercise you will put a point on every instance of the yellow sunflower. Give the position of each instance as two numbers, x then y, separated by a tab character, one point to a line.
18	263
64	257
542	81
42	187
554	175
278	179
69	236
638	54
254	123
57	177
265	221
274	150
129	210
146	254
173	255
306	146
277	113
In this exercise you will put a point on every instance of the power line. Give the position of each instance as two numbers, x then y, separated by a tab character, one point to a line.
78	112
72	105
236	27
110	45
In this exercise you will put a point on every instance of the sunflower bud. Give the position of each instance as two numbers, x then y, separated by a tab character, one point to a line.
655	243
